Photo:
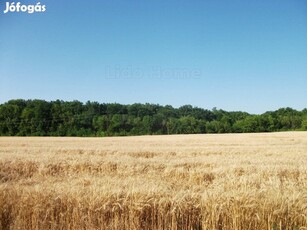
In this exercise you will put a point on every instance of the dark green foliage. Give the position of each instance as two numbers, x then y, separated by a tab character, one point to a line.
60	118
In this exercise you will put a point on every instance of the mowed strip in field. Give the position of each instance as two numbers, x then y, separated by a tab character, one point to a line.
221	181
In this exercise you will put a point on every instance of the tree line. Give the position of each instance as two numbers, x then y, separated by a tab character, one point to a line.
74	118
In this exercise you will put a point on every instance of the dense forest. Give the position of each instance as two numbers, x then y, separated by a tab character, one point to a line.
61	118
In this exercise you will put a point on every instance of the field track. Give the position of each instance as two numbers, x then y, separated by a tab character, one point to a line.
216	181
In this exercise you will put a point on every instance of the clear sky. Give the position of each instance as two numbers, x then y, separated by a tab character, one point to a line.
234	55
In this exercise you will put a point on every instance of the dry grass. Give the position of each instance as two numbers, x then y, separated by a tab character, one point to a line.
232	181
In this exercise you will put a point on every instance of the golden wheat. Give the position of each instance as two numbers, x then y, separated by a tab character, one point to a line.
231	181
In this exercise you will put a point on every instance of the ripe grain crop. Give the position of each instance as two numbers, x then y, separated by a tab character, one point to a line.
221	181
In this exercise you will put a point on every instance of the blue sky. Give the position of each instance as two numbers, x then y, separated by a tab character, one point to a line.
233	55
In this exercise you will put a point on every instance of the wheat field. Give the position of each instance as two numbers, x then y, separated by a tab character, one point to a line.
221	181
